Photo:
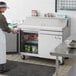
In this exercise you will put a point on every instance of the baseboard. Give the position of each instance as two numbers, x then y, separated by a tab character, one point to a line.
11	52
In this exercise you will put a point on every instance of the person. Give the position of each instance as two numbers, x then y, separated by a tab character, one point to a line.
3	28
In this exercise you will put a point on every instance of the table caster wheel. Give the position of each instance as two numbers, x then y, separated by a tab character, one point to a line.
61	62
23	57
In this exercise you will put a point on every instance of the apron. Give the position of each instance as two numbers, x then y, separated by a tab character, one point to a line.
2	47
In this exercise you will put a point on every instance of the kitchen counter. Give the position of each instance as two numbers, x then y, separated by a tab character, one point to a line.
51	31
63	50
54	28
55	24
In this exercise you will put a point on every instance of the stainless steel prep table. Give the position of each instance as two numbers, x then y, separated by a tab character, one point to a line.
64	51
50	31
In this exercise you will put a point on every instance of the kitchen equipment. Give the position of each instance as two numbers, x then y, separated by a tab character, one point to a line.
47	34
29	41
71	44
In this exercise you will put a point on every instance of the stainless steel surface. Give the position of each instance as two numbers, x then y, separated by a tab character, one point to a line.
57	66
54	29
63	50
11	42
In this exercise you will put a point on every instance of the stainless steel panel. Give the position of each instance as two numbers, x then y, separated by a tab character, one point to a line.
11	42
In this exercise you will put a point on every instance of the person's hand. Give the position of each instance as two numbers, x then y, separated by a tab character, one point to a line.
17	29
14	30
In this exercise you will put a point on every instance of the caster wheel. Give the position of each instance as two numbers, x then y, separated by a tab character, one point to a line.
61	62
23	57
66	57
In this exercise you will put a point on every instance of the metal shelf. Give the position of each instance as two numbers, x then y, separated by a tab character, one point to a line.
66	5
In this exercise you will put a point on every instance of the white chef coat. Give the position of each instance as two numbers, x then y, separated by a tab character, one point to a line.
2	47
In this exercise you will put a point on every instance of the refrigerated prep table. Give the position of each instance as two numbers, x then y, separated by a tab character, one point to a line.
39	35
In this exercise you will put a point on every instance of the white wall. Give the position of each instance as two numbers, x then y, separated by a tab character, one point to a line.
19	9
72	15
43	6
15	9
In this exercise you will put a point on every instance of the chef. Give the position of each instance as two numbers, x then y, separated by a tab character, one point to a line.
3	28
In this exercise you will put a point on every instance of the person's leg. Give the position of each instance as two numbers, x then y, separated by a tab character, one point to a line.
3	68
2	51
0	67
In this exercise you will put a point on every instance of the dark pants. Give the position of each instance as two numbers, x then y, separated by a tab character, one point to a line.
2	67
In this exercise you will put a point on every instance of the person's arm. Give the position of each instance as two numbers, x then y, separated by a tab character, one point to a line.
4	24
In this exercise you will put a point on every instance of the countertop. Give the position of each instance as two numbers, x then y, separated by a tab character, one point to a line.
44	24
63	50
56	28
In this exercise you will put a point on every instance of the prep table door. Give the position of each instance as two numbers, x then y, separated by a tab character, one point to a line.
47	43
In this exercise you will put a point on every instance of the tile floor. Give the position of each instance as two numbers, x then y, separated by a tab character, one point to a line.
63	69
